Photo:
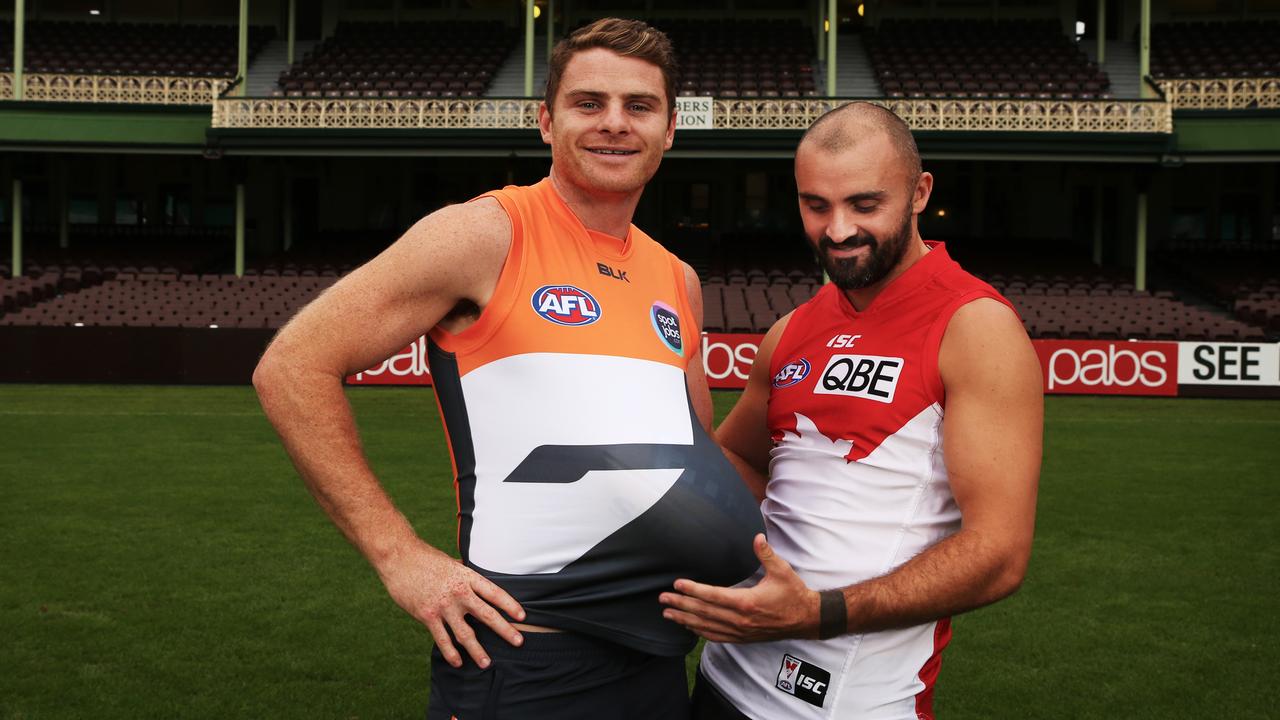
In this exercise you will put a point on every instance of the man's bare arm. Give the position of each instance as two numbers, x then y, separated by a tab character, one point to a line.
451	256
695	374
744	434
991	444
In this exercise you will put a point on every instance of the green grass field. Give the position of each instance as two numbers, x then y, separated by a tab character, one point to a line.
159	558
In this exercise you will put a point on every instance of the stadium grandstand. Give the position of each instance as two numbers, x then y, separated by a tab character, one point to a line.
201	166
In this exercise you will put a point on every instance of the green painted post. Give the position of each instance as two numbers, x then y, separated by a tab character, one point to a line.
1097	225
19	20
64	223
293	28
16	220
239	229
1144	50
244	48
833	18
1101	30
528	48
288	214
551	26
821	34
1140	261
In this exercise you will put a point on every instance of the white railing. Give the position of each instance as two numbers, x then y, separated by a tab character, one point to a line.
1222	93
144	89
1102	116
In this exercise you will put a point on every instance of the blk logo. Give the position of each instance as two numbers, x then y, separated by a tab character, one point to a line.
870	377
566	305
610	272
805	681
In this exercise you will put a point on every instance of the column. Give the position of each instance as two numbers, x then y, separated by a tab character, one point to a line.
1140	257
528	48
243	68
1097	223
819	34
293	29
64	205
833	19
551	26
1101	30
287	221
15	218
1144	50
240	229
19	19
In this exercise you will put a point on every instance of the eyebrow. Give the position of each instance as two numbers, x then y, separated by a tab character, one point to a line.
602	93
856	197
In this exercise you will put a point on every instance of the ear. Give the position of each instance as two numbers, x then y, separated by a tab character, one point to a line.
671	131
544	122
920	198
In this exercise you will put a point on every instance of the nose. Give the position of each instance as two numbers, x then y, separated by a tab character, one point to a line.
841	226
613	119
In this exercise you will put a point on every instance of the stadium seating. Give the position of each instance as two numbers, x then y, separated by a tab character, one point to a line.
436	59
1020	59
130	48
1215	49
747	303
742	58
147	299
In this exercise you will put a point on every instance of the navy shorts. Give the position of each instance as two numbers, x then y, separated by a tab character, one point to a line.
563	676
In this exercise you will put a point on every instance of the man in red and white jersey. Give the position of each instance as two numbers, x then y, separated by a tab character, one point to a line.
898	419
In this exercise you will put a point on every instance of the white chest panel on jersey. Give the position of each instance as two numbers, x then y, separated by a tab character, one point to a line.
527	528
838	523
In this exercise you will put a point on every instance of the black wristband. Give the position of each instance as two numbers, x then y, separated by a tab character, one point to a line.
833	616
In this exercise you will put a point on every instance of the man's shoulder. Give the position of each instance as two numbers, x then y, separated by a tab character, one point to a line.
480	219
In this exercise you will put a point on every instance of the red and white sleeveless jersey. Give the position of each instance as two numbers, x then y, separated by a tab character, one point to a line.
857	487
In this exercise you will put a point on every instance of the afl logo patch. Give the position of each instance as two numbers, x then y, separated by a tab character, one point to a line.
792	373
566	305
666	322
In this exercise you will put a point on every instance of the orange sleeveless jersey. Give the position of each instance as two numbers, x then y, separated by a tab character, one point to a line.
585	483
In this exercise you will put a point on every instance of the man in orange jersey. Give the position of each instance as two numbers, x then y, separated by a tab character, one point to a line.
565	352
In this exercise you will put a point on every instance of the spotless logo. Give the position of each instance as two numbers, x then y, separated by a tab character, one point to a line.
566	305
666	322
792	373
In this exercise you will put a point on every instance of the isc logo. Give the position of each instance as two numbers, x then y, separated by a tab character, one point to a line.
566	305
870	377
803	680
842	341
792	373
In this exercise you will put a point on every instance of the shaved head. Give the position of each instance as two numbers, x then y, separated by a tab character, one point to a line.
846	126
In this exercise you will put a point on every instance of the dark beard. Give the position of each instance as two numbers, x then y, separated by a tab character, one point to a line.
880	261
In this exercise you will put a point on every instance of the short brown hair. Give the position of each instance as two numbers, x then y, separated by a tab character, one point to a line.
628	38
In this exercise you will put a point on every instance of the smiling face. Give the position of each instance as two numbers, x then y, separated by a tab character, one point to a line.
610	124
858	206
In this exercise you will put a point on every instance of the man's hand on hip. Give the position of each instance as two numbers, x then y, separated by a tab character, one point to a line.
440	592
